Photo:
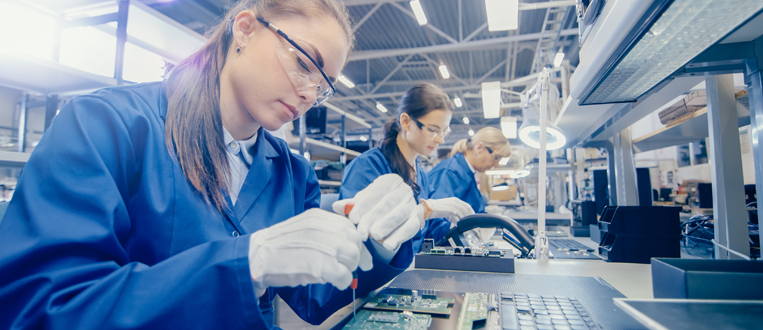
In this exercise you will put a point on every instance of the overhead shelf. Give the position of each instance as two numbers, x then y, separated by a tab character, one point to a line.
325	150
13	159
45	76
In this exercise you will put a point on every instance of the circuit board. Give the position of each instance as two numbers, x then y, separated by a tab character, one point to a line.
464	251
427	303
374	320
474	308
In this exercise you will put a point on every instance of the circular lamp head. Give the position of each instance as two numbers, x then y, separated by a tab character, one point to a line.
519	174
529	132
501	187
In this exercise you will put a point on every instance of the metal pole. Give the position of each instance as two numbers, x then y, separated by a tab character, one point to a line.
119	60
302	132
22	122
611	178
756	125
343	142
625	169
370	138
726	168
541	245
51	107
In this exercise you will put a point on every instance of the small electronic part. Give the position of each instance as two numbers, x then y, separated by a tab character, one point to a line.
428	303
375	320
474	311
427	245
465	251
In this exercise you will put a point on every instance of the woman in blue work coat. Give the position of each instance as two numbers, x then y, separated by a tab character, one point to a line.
421	123
166	205
455	176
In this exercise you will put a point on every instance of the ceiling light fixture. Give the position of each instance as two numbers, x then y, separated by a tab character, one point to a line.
381	107
457	101
491	99
444	71
466	120
346	81
418	11
502	15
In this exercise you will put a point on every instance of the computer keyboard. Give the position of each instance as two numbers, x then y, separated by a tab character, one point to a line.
570	249
531	311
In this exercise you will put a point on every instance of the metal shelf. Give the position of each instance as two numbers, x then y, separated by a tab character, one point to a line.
324	150
47	77
324	183
13	159
694	128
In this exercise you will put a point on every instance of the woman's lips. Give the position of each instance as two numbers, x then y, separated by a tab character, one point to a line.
291	110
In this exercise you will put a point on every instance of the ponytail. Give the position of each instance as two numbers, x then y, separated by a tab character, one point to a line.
396	159
490	137
460	146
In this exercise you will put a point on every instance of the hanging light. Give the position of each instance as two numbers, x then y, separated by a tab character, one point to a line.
444	71
346	81
471	132
457	101
381	107
466	120
558	58
418	11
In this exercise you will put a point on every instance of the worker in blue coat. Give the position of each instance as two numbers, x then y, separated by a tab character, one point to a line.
455	176
167	204
422	121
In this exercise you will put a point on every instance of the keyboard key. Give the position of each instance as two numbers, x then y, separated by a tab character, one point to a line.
508	316
545	327
543	321
579	327
558	317
562	327
526	327
526	322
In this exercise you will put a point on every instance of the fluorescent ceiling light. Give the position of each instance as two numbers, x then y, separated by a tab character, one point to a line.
509	127
444	71
458	103
471	132
466	120
346	81
381	107
558	59
503	161
419	12
502	15
363	138
491	99
663	43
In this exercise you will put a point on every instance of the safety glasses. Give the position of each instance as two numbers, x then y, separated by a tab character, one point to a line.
432	131
303	71
497	157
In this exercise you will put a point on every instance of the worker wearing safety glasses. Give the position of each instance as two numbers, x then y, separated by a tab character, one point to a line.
455	176
421	123
168	205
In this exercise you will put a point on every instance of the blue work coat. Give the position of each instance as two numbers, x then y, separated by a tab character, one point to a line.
104	230
372	164
453	178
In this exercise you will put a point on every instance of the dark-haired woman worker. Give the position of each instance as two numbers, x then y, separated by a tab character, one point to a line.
422	120
168	206
454	177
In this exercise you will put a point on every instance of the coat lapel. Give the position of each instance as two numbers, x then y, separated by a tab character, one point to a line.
260	174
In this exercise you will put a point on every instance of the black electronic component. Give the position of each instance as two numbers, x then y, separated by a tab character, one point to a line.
526	242
638	233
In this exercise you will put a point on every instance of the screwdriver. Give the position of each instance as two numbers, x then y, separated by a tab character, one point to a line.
354	283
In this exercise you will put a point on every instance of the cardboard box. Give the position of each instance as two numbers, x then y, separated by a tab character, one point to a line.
504	195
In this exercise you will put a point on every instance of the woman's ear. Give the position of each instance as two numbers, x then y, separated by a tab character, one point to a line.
405	122
244	26
478	147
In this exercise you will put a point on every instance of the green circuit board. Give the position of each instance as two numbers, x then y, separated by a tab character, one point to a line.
375	320
428	304
474	308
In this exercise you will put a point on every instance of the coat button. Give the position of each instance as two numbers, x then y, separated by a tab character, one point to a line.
235	233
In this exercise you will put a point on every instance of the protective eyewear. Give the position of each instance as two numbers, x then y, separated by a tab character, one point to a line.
434	132
303	71
497	157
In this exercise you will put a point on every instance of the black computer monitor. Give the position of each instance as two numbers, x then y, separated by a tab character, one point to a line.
315	121
665	194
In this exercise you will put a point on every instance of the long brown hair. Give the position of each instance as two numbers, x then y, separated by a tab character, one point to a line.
417	102
194	127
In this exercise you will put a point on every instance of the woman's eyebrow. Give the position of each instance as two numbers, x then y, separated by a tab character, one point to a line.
318	56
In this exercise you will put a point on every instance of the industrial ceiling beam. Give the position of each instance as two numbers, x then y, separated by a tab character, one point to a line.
462	46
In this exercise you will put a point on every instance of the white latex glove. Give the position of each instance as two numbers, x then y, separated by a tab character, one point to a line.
314	247
384	211
451	208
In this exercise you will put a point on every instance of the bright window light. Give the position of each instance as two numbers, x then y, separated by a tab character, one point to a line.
683	31
346	81
558	59
381	107
141	65
24	30
419	12
466	120
458	103
471	132
503	161
88	49
444	71
363	138
509	127
502	15
491	99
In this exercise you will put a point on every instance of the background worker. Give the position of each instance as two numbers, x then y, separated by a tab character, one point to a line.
422	121
455	176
